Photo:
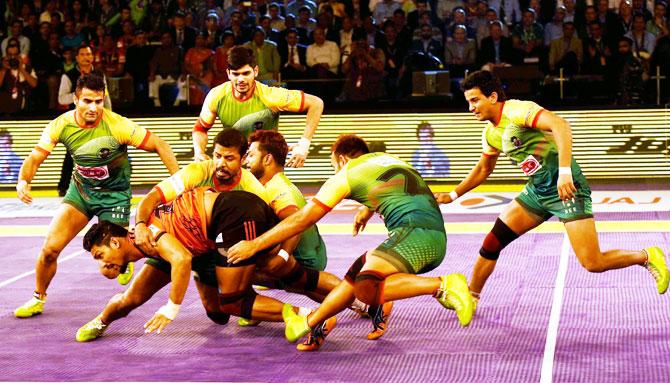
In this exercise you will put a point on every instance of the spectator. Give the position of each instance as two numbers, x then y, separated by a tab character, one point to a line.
427	44
271	34
643	41
597	52
221	59
528	36
403	31
460	52
483	30
48	67
509	11
571	13
266	55
630	71
205	10
460	18
106	13
78	15
624	21
554	29
212	31
127	39
305	21
657	25
16	79
118	20
110	59
31	29
50	8
497	50
583	24
10	162
240	33
277	21
183	35
68	60
325	22
57	23
566	52
166	68
138	59
155	23
383	10
198	65
293	57
394	51
661	58
88	31
363	70
346	34
294	7
424	19
323	57
429	160
15	32
72	38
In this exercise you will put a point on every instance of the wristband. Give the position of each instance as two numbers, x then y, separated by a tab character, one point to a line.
564	170
283	254
21	183
302	147
453	195
170	310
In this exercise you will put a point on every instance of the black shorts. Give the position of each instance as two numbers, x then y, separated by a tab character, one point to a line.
203	266
237	216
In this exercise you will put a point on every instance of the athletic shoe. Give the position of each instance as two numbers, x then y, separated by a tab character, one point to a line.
658	268
31	308
125	277
318	335
244	322
454	294
91	330
380	320
296	325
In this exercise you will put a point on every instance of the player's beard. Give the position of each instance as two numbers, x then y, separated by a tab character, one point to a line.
225	178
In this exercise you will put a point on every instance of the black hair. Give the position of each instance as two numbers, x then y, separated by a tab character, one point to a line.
101	233
232	138
239	56
271	142
486	82
93	81
350	145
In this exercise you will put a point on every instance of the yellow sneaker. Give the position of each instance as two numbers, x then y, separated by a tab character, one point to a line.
91	330
244	322
454	294
296	325
31	308
658	268
125	277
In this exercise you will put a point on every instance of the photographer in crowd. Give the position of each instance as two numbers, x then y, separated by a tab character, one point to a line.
16	79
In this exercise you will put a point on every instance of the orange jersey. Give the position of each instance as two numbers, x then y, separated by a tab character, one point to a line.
185	218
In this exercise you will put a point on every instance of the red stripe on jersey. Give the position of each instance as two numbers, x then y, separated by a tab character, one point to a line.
202	126
302	101
144	141
287	207
323	205
537	116
160	192
41	150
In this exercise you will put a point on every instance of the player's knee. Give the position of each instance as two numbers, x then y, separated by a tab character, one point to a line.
369	287
354	269
592	265
496	240
231	303
218	317
49	254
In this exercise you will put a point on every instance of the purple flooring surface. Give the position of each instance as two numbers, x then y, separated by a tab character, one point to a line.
613	326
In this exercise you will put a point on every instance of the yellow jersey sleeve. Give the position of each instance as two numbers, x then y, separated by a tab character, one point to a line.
487	149
125	131
281	99
51	133
523	113
189	177
333	191
209	109
250	184
280	196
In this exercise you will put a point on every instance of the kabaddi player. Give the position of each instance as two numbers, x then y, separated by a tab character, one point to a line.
540	143
192	232
97	139
416	242
248	105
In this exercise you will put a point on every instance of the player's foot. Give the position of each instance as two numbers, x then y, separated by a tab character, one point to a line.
380	320
260	287
33	307
318	335
91	330
125	277
454	294
360	308
296	325
244	322
658	268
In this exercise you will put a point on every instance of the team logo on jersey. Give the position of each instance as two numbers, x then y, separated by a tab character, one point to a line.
516	142
104	153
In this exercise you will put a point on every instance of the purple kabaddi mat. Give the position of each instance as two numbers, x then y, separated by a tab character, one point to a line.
613	326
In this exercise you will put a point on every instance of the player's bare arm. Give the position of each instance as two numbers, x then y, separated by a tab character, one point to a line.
562	133
157	145
476	177
314	107
26	174
143	237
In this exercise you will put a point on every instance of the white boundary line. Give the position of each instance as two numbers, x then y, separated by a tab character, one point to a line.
554	318
27	273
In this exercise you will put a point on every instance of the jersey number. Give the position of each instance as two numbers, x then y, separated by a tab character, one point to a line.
411	177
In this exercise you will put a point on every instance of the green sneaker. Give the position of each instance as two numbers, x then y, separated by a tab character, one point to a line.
296	325
91	330
658	268
244	322
124	278
454	294
31	308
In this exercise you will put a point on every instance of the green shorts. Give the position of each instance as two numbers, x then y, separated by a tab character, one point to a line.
540	197
413	250
203	266
311	251
113	206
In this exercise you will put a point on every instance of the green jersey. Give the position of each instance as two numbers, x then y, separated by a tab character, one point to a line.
388	186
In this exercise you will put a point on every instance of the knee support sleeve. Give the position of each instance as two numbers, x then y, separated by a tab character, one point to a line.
248	303
369	287
218	317
355	269
499	237
231	304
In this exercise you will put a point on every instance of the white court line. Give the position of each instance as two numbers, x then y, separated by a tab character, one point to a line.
27	273
552	330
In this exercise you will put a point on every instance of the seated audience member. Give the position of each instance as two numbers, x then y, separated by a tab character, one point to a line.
566	52
460	52
166	68
363	70
323	57
266	54
293	57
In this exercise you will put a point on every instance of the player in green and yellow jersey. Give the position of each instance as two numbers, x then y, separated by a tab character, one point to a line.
416	243
540	143
97	139
248	105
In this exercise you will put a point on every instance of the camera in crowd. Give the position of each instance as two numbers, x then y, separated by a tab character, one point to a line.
13	63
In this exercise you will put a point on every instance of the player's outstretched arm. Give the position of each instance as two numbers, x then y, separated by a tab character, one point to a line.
295	224
299	151
562	132
26	174
361	219
143	237
164	150
476	177
179	258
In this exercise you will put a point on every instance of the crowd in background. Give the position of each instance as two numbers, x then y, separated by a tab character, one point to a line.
369	48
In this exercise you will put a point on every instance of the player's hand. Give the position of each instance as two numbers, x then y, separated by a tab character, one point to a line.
23	192
241	251
144	239
566	188
361	219
444	198
157	323
201	157
297	160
